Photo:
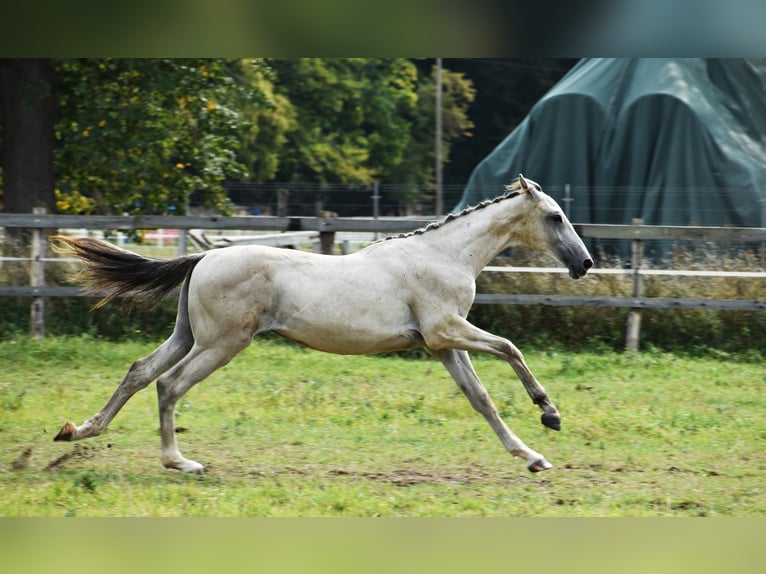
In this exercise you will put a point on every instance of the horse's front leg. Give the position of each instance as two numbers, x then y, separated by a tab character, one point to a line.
456	332
458	364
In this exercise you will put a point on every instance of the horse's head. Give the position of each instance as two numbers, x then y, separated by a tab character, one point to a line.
547	229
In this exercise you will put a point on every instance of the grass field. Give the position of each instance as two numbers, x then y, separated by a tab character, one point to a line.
285	431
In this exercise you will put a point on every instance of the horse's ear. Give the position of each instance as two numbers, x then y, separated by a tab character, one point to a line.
525	186
516	184
529	187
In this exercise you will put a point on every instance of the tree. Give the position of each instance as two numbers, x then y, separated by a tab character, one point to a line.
142	136
416	172
359	120
263	139
27	112
351	117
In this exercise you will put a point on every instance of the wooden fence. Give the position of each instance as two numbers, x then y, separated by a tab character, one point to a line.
326	228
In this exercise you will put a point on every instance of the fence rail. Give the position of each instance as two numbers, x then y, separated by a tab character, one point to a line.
380	224
327	227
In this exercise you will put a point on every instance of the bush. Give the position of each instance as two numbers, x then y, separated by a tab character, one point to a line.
74	316
689	331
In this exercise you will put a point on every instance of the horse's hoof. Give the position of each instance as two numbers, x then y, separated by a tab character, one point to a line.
66	432
551	420
197	470
186	466
538	465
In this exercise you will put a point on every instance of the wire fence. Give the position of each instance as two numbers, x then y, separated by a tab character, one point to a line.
591	204
308	199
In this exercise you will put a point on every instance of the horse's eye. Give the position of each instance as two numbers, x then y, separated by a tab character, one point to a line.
556	218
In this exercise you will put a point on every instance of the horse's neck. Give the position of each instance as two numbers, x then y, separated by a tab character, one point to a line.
476	237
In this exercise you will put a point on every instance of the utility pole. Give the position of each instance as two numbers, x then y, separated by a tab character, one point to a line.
438	143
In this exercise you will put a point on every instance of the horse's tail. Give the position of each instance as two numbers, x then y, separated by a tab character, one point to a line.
119	272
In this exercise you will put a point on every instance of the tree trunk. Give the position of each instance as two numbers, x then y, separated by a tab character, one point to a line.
27	116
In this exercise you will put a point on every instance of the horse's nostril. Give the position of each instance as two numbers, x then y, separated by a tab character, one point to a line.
587	264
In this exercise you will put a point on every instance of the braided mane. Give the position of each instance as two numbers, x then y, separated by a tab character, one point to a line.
452	216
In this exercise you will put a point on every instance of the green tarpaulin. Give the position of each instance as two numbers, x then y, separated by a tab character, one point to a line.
671	141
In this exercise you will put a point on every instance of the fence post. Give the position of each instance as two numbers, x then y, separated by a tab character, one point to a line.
183	242
375	204
183	237
326	238
283	197
634	315
37	278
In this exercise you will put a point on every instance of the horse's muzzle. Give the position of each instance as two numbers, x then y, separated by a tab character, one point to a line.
577	271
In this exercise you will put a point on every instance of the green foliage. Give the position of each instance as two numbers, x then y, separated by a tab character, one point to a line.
352	117
416	170
363	119
144	135
140	136
75	317
265	137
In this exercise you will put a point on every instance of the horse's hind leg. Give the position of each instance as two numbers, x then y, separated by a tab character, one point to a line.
458	364
171	386
140	374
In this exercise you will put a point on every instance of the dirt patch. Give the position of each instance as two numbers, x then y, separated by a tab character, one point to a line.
22	461
398	477
78	452
412	477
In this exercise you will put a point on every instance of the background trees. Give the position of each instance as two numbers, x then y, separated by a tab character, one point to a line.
140	136
27	115
145	136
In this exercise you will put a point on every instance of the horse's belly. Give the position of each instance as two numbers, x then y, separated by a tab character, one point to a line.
358	346
352	337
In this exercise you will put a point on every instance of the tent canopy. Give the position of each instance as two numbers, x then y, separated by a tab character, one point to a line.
672	141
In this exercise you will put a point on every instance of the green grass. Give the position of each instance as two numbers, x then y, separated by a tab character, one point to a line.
285	431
